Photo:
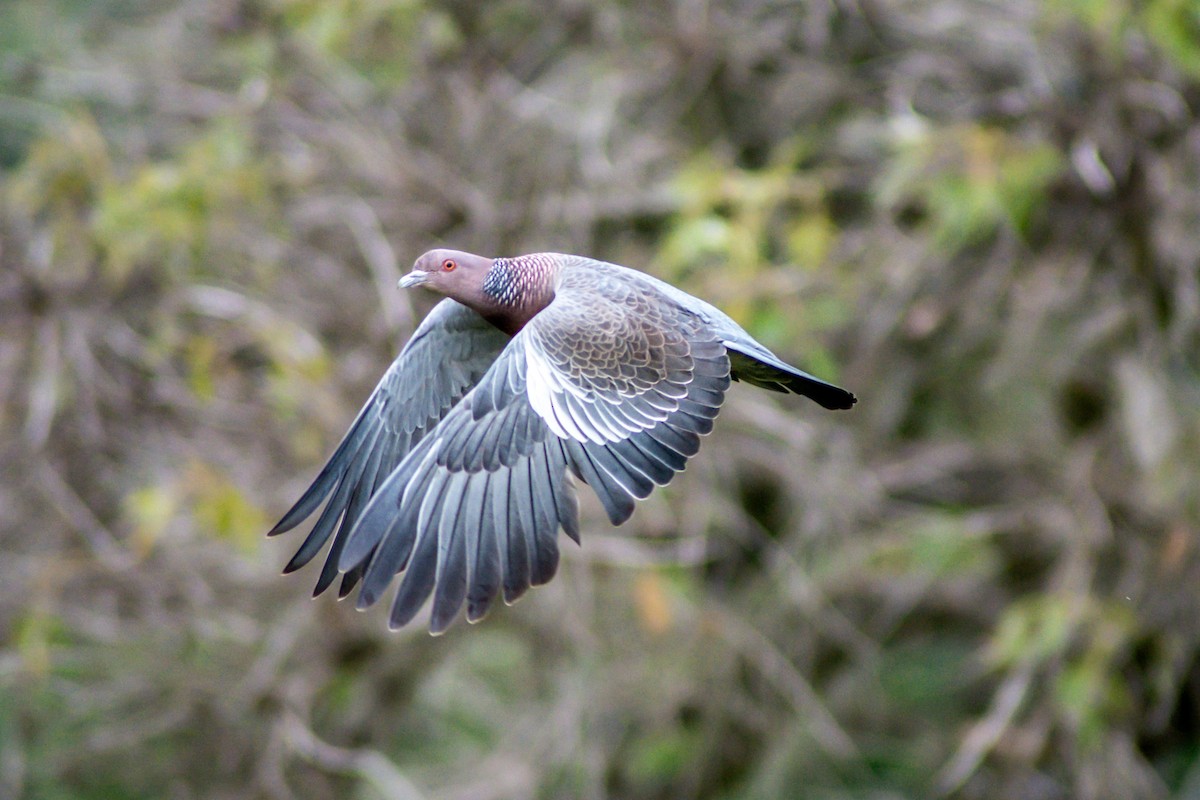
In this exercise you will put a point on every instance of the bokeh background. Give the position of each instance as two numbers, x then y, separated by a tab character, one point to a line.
983	217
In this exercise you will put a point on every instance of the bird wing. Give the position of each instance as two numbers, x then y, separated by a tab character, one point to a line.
750	360
446	356
612	383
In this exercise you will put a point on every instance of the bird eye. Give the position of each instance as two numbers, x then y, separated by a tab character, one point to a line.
448	265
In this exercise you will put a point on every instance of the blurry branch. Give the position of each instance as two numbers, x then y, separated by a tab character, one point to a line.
762	414
131	731
774	665
579	207
438	175
43	389
13	768
221	303
377	252
380	257
614	550
1091	169
192	100
916	468
503	776
281	640
101	541
794	580
984	734
369	765
808	595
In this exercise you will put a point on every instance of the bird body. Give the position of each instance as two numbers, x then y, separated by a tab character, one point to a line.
536	370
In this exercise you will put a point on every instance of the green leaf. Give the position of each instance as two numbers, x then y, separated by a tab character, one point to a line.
222	510
659	756
1031	629
1174	25
150	510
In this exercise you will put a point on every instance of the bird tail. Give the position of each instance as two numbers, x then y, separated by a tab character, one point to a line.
762	368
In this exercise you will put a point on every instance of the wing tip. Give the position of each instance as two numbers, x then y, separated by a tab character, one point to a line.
396	621
367	597
293	565
476	612
513	592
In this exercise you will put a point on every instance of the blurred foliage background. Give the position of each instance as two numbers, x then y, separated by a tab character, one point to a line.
984	218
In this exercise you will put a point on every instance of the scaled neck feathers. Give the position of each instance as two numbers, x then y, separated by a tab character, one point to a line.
515	289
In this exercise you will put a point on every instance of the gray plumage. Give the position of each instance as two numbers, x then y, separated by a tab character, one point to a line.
460	469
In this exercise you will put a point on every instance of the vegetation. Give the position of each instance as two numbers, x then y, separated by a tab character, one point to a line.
982	218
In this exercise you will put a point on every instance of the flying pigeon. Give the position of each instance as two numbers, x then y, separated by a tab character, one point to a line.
534	371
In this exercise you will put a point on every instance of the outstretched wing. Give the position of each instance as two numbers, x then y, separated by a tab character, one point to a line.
749	359
612	383
446	356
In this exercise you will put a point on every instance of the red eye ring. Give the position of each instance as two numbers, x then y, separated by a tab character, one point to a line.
448	265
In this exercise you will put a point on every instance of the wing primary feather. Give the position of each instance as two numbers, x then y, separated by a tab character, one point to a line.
639	460
399	541
532	429
630	478
388	502
350	580
545	521
618	502
359	499
417	583
335	468
508	436
682	441
336	507
475	450
502	515
564	489
652	448
394	548
471	518
516	574
421	571
333	511
451	574
371	527
486	572
317	536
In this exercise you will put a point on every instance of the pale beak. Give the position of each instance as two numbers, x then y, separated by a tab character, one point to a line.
414	278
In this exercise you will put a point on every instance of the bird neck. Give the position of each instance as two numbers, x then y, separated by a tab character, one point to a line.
515	289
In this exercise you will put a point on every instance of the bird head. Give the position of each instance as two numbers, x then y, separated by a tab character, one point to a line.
450	272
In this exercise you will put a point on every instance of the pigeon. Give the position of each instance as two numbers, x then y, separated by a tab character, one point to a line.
534	372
